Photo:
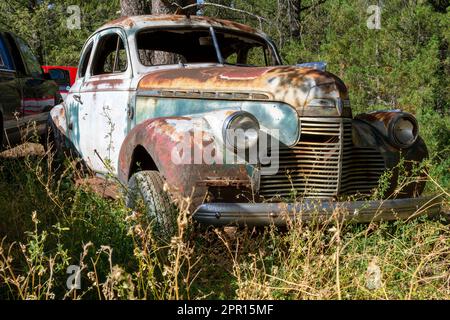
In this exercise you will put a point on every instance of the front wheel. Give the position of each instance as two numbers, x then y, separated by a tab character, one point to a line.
146	194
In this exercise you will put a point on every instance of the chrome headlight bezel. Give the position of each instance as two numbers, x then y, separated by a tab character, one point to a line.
322	102
251	127
404	131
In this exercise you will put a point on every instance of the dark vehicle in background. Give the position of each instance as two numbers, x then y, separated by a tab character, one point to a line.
64	77
26	93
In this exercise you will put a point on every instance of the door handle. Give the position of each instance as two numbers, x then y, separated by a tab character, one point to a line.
77	98
130	112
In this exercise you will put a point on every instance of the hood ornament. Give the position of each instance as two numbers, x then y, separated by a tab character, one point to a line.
319	65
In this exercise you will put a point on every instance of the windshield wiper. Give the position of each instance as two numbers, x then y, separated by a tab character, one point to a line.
216	45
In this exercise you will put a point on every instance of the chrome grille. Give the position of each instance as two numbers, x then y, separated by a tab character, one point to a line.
361	167
324	164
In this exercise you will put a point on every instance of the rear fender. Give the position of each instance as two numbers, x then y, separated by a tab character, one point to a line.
58	118
58	124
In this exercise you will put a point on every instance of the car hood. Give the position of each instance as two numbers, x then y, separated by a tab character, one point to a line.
290	84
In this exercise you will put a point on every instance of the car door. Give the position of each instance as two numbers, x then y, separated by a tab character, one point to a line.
39	95
10	103
105	96
74	105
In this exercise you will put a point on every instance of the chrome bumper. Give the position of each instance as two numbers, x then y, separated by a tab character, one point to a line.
262	214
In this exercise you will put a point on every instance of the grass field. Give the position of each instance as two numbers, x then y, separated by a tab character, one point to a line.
48	222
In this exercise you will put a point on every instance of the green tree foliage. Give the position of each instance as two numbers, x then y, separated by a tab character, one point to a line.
403	65
44	25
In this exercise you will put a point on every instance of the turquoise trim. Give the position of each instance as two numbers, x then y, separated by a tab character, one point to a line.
271	115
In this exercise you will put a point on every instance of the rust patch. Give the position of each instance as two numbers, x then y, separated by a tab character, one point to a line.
231	76
127	22
224	182
103	81
155	20
285	83
243	73
160	137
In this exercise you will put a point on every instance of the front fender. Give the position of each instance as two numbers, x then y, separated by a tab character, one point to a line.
367	135
381	121
185	151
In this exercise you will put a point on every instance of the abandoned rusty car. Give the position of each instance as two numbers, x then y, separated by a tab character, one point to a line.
166	129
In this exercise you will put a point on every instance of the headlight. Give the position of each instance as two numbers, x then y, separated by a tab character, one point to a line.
330	103
240	131
404	130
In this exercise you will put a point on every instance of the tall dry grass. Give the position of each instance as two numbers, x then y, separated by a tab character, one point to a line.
49	222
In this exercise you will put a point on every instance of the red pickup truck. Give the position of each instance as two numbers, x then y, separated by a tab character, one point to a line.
64	76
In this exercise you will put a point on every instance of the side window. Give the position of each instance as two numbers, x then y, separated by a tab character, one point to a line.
32	63
2	63
110	55
85	60
15	54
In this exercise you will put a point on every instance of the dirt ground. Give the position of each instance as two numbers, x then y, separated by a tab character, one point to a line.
104	188
26	149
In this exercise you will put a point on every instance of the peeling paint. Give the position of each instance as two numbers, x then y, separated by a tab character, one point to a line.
154	110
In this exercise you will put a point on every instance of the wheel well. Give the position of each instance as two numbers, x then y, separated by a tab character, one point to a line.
141	160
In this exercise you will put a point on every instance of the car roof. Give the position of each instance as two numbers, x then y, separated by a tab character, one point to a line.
148	21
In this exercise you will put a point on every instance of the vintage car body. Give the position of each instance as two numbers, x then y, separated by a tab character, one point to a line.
26	95
137	118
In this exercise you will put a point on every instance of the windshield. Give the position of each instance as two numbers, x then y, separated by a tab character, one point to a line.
197	46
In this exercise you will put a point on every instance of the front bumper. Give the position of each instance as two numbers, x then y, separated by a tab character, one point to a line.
262	214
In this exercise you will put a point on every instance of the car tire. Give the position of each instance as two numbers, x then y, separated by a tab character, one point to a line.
146	193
